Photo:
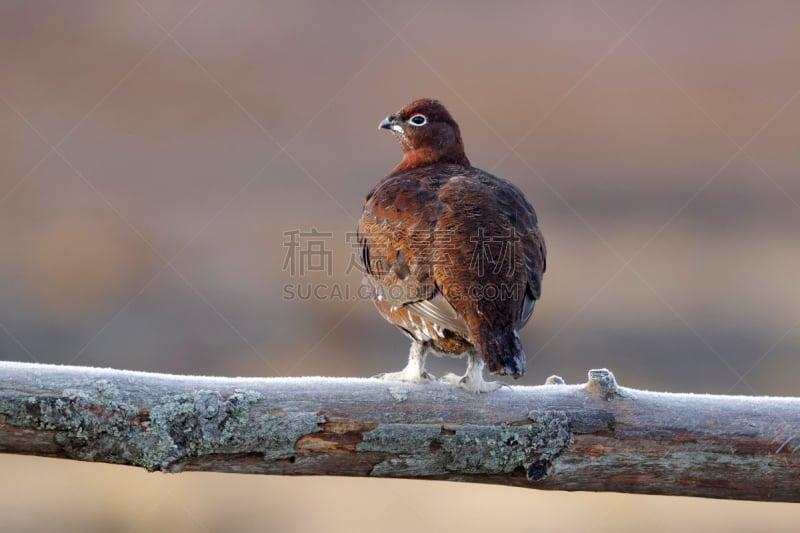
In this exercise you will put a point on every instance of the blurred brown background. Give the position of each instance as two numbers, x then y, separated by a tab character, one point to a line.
154	154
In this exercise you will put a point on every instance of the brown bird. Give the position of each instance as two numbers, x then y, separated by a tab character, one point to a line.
452	255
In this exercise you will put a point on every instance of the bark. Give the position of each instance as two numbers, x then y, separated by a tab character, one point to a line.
596	436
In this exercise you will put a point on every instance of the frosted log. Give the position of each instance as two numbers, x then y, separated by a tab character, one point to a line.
596	436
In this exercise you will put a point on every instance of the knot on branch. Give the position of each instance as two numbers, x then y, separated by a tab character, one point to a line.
603	383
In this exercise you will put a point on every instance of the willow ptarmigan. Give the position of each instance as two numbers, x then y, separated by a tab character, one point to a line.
452	255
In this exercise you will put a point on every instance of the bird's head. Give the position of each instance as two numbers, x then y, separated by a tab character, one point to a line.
427	134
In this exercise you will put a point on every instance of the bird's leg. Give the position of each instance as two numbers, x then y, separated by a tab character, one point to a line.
414	371
473	381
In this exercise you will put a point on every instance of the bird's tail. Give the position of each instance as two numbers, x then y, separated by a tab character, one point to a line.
502	353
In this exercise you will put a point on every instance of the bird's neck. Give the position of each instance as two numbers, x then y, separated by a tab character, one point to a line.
428	156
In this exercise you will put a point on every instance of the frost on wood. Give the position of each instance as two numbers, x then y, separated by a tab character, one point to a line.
97	423
594	436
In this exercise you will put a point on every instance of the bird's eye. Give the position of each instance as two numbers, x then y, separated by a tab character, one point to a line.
418	120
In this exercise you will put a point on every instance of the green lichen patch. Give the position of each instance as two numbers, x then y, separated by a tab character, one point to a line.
203	422
88	422
96	424
468	449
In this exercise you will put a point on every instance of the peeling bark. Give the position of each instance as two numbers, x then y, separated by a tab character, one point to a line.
596	436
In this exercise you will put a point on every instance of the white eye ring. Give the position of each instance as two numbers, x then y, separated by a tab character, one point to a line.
418	120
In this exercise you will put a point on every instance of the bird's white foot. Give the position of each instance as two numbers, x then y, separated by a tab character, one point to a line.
414	372
412	376
472	383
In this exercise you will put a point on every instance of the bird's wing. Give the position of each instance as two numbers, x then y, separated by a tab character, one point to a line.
512	202
526	226
511	213
397	238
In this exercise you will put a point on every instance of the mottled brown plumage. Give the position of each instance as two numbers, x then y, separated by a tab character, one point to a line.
452	255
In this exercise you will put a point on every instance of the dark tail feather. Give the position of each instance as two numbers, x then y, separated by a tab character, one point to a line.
502	353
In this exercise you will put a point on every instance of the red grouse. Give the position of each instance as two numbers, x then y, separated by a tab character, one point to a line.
452	255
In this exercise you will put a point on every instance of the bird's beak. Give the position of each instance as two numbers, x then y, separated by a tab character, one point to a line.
388	123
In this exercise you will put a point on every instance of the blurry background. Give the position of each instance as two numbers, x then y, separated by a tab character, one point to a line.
156	156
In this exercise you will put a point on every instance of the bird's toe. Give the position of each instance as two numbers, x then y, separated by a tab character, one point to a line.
451	378
423	377
427	377
469	384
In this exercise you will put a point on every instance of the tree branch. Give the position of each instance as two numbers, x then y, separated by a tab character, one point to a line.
596	436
